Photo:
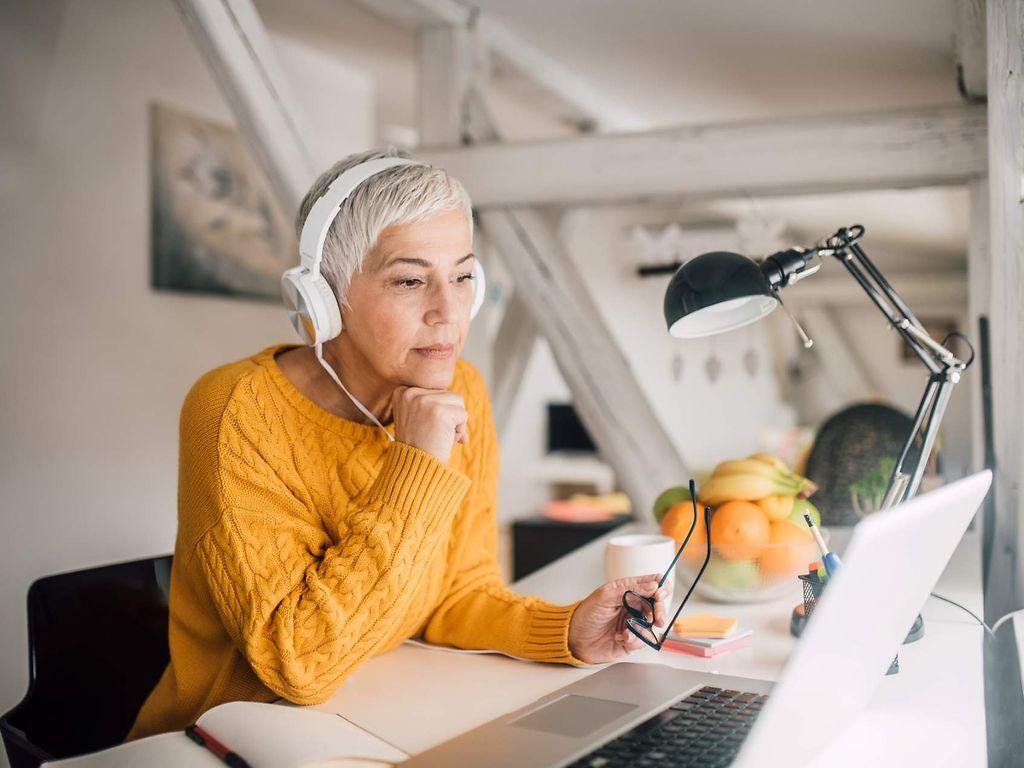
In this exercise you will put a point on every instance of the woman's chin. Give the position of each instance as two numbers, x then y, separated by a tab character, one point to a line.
433	374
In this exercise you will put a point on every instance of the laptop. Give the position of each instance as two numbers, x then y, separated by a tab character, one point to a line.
652	714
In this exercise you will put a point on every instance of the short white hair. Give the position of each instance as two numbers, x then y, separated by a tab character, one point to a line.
396	196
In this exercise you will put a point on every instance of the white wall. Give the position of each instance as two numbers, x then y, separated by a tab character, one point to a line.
95	363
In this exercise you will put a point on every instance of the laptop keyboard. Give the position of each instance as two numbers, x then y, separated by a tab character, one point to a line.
705	729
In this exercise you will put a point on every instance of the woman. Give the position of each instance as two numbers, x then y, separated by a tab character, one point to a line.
320	525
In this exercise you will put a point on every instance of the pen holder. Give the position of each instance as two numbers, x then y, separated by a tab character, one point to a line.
812	591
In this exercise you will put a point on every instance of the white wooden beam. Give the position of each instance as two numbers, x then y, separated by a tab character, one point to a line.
585	103
1003	529
610	401
446	60
446	80
910	148
238	51
969	38
513	347
921	290
1005	24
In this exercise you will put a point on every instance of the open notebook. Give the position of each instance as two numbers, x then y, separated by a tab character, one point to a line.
265	735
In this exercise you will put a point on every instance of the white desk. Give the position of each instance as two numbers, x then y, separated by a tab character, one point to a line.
932	712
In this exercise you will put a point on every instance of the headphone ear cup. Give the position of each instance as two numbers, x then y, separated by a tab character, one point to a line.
479	288
330	311
312	307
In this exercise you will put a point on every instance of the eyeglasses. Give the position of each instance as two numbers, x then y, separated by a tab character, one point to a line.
640	608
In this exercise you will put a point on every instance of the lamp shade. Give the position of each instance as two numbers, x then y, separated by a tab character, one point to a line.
714	293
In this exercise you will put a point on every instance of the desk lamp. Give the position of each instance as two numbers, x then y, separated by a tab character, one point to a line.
721	291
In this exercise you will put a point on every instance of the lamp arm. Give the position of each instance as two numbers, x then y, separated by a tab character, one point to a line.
844	247
943	366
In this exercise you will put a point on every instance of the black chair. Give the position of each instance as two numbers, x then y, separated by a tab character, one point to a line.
97	644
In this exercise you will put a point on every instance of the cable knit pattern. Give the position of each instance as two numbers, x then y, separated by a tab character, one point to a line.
308	543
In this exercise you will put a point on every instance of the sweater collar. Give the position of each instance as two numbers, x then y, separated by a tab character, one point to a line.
310	409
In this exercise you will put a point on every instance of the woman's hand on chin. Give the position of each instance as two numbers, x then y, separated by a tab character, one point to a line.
432	420
597	630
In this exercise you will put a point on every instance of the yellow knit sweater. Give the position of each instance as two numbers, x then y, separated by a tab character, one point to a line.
308	543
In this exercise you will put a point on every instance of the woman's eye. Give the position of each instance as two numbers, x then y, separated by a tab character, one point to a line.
408	282
465	277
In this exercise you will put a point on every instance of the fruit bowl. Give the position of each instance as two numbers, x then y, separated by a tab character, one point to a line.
747	573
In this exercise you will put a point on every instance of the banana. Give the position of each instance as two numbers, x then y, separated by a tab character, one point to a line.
745	467
748	487
783	473
771	460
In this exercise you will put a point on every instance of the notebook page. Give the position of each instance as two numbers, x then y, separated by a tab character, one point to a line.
265	735
280	736
167	750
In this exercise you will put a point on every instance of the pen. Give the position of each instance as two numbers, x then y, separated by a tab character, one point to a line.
204	739
830	559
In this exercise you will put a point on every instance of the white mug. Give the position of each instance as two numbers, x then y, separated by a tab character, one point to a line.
638	554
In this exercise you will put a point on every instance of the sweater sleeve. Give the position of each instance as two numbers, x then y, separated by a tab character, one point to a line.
479	611
303	609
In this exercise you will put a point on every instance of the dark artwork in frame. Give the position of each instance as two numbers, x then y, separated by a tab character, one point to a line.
216	226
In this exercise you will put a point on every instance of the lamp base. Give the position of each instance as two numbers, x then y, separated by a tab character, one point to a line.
798	620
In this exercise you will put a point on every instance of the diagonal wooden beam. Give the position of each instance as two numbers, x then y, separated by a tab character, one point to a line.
606	393
238	51
910	148
513	347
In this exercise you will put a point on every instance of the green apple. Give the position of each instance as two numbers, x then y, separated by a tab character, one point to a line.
732	574
796	517
669	498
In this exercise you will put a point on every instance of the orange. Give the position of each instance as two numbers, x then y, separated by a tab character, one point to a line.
739	530
676	523
789	551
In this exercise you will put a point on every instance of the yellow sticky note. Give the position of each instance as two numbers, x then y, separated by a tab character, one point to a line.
704	625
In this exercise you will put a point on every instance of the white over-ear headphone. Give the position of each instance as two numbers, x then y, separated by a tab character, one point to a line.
311	304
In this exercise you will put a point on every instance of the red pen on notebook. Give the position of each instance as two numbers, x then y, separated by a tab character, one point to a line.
204	739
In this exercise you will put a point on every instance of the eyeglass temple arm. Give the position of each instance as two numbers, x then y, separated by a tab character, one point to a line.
693	524
707	559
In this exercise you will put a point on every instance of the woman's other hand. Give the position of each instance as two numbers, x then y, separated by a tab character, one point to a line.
597	630
432	420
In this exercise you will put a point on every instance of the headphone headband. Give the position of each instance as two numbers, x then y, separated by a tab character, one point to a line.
321	215
312	306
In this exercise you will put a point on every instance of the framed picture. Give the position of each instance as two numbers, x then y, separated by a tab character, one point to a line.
216	226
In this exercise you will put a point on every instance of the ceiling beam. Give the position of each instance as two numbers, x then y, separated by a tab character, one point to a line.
813	155
584	103
929	290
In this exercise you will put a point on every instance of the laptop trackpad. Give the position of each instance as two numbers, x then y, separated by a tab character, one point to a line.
573	715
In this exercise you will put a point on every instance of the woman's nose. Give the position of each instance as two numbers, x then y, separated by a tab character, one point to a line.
445	304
